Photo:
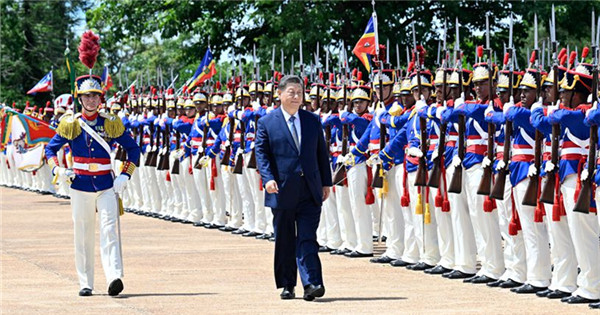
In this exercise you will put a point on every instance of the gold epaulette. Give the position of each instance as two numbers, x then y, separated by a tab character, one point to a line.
113	126
68	127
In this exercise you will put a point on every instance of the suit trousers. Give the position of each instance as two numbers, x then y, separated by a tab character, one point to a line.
84	205
296	246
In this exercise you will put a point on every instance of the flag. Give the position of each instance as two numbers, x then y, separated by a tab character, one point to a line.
205	70
45	85
367	44
34	131
71	72
106	79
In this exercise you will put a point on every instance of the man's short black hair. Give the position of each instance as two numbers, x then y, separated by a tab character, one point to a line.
290	79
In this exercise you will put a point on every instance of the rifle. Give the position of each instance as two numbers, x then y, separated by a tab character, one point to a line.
252	160
485	186
197	165
547	195
530	198
498	189
239	163
436	171
456	181
164	159
227	153
340	173
421	177
585	195
379	177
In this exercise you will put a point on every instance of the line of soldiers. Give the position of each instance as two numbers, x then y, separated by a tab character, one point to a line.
418	162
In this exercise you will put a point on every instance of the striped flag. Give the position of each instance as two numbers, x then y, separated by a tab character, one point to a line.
205	70
45	85
367	44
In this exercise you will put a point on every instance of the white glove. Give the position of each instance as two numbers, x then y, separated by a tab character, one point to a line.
584	174
148	149
486	162
532	171
414	151
251	145
239	151
440	110
341	111
420	104
226	143
255	105
456	161
64	172
508	105
120	183
154	148
180	153
270	109
121	114
501	165
594	107
434	154
549	167
537	105
380	109
161	123
200	149
140	118
373	160
589	99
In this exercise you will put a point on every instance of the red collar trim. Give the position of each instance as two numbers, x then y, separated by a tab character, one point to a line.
90	118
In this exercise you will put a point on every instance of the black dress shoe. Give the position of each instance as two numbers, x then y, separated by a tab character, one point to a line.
495	284
510	283
437	270
355	254
400	263
115	287
576	299
250	234
175	220
528	289
483	279
186	222
262	237
323	249
312	291
227	229
288	293
457	274
381	260
340	251
213	226
85	292
545	293
557	294
419	267
239	232
468	280
595	305
198	224
272	239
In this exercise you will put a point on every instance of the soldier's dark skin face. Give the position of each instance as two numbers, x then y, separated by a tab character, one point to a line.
572	99
527	97
408	100
200	106
171	113
439	93
219	109
504	96
482	90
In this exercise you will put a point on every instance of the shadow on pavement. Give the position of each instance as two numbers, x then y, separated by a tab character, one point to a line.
350	299
126	296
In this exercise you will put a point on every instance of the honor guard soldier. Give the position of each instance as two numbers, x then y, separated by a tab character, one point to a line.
94	186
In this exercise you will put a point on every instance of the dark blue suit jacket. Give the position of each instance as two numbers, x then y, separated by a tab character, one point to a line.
278	158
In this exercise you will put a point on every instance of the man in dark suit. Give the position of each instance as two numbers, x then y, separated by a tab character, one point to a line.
294	165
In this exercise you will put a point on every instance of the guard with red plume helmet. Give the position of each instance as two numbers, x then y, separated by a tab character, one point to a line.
94	188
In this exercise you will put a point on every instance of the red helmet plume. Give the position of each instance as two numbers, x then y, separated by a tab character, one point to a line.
480	51
89	47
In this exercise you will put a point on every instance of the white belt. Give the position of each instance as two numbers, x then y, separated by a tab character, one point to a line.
250	134
452	138
523	152
565	151
92	167
434	141
476	142
373	146
500	148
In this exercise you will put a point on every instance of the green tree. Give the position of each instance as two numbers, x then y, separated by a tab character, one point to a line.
33	36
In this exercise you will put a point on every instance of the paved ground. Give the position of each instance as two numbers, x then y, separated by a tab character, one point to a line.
171	268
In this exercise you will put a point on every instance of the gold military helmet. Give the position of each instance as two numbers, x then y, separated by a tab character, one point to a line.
189	104
242	91
256	87
227	99
199	97
216	100
361	93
